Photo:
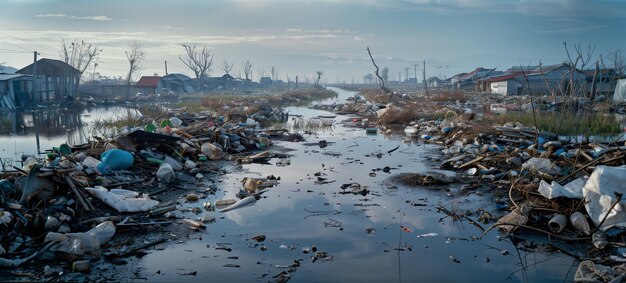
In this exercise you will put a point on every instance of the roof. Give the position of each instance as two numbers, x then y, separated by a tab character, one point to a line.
44	64
433	79
6	77
502	77
474	72
549	68
175	76
148	81
227	77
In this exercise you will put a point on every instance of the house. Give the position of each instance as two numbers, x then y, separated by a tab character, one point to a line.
469	81
554	79
16	91
510	84
148	84
434	82
551	79
603	80
55	80
619	95
265	81
177	83
7	70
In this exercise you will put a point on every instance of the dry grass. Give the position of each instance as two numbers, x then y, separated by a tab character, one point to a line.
448	96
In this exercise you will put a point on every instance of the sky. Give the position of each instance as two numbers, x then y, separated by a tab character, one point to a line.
300	37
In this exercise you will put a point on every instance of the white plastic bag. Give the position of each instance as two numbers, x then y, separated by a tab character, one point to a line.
123	200
573	189
599	196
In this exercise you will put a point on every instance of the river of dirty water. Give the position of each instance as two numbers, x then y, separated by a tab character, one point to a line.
392	234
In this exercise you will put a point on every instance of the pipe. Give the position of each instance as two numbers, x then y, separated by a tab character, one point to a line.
557	223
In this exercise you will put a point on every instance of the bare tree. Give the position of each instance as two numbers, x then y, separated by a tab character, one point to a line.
135	56
368	79
79	54
260	73
246	67
381	82
227	66
385	74
199	61
319	76
274	74
582	59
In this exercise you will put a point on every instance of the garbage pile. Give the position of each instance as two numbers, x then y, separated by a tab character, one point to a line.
563	189
353	106
68	206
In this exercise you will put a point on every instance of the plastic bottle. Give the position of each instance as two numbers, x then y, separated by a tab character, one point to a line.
176	122
580	222
29	163
91	162
175	164
165	173
599	240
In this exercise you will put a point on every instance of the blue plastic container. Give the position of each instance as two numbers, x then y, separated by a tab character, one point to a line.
115	159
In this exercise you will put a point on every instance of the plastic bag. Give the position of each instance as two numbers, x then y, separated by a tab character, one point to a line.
165	173
123	200
599	196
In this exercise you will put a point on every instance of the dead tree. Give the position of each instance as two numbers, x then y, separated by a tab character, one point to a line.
246	67
583	57
227	66
385	74
79	54
381	82
319	76
199	61
135	56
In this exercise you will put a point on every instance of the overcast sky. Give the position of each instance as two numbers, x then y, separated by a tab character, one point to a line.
300	37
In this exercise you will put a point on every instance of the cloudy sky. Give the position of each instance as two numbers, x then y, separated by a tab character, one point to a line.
299	37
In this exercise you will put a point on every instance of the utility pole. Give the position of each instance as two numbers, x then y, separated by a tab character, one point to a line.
424	76
93	76
35	92
415	75
296	82
406	70
35	82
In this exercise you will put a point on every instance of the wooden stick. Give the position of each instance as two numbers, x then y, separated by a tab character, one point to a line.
584	154
471	162
86	204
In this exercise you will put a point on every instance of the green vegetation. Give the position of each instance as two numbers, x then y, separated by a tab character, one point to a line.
568	124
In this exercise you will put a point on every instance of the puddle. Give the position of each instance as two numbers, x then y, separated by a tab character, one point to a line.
371	237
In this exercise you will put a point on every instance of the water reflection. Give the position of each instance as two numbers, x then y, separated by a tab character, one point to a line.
387	255
19	129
